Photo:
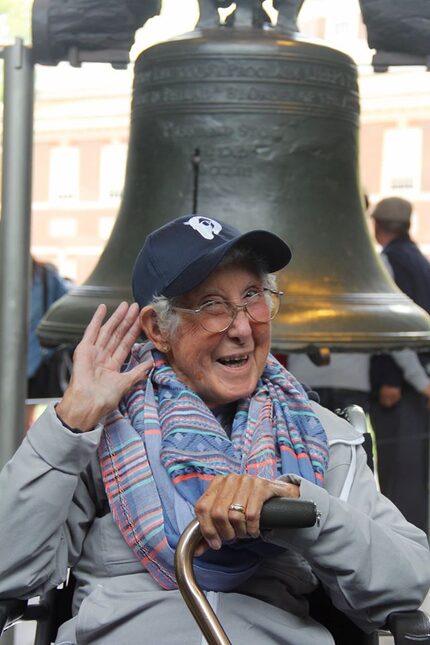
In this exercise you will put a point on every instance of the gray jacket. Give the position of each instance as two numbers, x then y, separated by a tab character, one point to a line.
54	515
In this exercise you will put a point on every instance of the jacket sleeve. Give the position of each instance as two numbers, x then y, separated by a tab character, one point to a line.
368	557
413	372
45	507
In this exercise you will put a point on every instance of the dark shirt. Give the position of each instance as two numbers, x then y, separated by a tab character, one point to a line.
411	272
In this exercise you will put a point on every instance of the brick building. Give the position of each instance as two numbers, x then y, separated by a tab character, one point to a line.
395	114
81	133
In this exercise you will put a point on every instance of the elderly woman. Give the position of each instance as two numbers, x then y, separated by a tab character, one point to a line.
202	420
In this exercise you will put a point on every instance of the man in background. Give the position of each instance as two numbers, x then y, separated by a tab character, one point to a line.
400	384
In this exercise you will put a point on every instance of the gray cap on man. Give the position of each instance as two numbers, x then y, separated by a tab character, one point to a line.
393	209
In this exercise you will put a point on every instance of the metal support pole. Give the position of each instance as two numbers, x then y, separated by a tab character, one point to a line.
15	242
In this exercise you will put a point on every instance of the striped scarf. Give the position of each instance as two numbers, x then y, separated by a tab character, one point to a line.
163	446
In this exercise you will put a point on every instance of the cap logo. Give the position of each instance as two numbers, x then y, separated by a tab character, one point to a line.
207	227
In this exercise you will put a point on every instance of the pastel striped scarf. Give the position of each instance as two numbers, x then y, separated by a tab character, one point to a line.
163	446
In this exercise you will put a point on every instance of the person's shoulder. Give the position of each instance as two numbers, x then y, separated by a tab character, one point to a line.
402	258
398	249
338	430
403	248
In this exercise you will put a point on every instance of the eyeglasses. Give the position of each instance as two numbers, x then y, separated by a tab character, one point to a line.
218	315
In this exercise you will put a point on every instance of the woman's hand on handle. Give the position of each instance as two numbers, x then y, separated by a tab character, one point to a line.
219	523
97	383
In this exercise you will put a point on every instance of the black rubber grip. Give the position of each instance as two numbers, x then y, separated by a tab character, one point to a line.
287	513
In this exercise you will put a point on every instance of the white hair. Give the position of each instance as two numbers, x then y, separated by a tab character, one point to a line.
168	319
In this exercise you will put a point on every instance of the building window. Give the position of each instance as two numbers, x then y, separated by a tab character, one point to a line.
60	227
342	29
64	174
68	269
342	24
105	226
401	161
112	171
313	27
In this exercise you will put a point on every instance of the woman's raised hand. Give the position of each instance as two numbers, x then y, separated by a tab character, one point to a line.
97	384
219	522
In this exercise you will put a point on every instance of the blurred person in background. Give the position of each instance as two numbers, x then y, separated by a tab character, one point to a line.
400	382
47	286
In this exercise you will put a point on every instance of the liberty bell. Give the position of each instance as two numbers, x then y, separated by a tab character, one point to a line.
252	123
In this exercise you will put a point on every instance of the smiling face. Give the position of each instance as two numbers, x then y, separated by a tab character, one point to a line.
221	367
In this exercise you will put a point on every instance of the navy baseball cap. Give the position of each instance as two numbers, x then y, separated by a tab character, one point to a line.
181	254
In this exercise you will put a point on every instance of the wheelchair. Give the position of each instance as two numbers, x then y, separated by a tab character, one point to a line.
407	628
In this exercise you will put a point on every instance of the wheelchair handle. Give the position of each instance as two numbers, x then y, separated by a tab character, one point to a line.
278	512
356	416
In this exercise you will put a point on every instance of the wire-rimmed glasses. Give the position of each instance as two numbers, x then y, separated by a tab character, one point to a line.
217	315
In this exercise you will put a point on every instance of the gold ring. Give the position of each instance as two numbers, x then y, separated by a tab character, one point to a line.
237	507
